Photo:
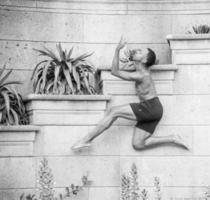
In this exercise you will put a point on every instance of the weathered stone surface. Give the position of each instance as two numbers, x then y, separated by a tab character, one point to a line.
19	3
189	57
17	140
201	140
103	170
173	171
178	109
104	193
159	72
70	26
197	77
61	117
12	194
190	49
116	25
128	88
17	173
59	139
116	86
68	113
86	6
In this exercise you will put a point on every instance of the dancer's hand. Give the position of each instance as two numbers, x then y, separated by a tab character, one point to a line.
121	44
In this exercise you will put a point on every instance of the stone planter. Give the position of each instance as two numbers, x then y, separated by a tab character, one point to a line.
190	49
66	109
163	76
17	140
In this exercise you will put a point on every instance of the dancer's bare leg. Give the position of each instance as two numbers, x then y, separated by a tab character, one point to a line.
142	140
110	116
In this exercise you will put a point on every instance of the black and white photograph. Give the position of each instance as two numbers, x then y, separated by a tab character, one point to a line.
104	99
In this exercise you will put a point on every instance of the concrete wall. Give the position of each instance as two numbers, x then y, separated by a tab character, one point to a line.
90	26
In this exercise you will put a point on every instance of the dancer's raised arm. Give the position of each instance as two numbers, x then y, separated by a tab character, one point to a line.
115	61
129	76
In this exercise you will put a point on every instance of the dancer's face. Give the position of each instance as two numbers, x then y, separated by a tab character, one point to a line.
139	55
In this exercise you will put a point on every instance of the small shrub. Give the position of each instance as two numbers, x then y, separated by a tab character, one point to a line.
157	188
45	181
46	185
130	189
63	74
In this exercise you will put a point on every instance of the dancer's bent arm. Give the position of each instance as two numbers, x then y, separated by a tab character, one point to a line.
129	76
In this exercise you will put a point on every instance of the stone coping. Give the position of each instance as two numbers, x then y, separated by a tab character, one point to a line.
166	67
19	128
46	97
188	37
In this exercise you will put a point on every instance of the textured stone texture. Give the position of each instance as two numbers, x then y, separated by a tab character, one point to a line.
77	166
17	172
96	26
173	171
67	112
17	140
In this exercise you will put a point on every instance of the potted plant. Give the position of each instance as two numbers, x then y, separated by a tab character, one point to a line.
192	47
12	116
12	110
62	77
62	73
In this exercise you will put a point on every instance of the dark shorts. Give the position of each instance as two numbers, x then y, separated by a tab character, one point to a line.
148	114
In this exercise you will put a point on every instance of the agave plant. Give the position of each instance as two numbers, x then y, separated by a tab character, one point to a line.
201	29
62	74
12	108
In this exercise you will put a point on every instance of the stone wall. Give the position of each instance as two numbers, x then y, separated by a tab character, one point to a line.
90	26
96	26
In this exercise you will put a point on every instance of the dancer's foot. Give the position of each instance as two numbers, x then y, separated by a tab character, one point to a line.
178	140
80	145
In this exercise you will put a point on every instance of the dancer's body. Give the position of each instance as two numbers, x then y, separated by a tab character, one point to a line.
147	113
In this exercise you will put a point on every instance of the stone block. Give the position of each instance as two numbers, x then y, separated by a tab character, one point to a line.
201	140
19	3
71	109
57	140
17	140
148	26
104	193
86	6
118	24
192	79
17	172
12	194
102	170
174	171
128	88
108	28
191	57
190	49
163	77
61	117
159	72
70	26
